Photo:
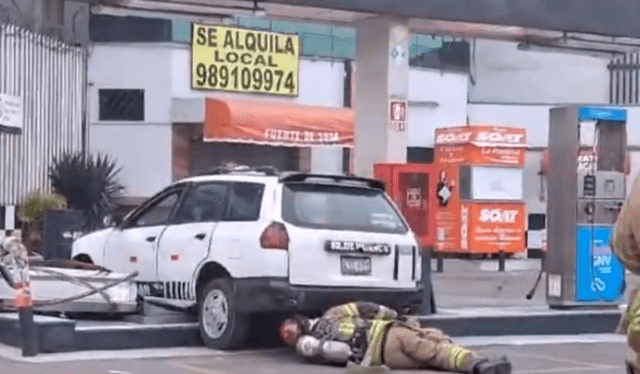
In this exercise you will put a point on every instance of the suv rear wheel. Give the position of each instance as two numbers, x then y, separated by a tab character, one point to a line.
221	326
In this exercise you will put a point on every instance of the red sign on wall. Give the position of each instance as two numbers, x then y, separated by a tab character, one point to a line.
398	114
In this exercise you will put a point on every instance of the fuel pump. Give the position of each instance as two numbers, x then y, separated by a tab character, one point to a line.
584	199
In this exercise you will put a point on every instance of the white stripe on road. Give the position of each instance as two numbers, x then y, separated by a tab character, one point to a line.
517	340
15	354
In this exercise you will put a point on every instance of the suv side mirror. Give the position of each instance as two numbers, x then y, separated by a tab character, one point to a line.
115	220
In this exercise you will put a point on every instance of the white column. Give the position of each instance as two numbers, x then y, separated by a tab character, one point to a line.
382	74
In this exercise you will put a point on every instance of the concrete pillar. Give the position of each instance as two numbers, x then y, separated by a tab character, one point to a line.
382	74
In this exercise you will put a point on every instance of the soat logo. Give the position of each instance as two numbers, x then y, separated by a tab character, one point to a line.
496	137
498	216
453	138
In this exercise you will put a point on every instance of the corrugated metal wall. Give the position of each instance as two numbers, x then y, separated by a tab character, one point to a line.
49	75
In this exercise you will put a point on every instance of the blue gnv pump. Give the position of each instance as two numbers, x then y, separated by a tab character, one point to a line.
584	199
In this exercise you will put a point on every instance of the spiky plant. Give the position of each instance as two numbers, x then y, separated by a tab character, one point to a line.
88	183
31	212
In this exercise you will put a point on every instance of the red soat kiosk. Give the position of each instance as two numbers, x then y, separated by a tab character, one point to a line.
480	208
411	187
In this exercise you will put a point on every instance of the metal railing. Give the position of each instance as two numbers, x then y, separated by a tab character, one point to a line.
624	79
49	76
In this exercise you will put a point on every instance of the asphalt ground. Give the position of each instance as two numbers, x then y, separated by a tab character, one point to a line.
566	358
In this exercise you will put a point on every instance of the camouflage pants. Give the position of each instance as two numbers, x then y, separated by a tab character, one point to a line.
423	349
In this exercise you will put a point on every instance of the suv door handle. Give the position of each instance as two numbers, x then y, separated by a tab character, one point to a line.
151	239
201	236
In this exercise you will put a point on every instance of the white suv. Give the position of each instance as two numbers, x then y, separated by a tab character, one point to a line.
235	243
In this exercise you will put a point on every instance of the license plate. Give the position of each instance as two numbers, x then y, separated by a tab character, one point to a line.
355	265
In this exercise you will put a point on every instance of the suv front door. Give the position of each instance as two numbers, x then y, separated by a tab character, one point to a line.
132	247
186	241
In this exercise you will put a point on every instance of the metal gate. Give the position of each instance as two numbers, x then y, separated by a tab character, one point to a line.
49	76
624	81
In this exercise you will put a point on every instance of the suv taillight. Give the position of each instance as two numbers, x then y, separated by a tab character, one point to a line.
275	236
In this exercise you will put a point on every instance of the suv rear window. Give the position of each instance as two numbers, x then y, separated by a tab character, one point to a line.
340	208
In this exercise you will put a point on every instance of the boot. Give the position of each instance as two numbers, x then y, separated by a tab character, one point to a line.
500	366
353	368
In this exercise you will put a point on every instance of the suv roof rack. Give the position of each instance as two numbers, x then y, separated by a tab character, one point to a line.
266	170
295	177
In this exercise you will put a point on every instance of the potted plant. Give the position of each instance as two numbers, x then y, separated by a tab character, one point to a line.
31	211
89	183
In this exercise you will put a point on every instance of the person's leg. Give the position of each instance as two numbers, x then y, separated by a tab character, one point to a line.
432	348
394	356
436	350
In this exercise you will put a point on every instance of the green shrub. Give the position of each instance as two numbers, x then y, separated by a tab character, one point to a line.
32	210
88	183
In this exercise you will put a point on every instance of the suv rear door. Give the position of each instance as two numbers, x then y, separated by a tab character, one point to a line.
345	235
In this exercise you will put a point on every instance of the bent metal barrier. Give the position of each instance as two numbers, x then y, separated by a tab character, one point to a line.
14	269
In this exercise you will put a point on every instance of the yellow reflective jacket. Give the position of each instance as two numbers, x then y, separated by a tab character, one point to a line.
344	322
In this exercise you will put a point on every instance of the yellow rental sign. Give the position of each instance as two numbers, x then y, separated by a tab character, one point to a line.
234	59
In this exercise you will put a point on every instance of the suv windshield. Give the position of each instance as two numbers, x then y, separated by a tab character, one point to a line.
340	208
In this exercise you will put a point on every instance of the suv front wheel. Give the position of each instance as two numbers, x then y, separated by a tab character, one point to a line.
221	326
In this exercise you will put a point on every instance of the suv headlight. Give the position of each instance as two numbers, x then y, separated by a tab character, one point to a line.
124	292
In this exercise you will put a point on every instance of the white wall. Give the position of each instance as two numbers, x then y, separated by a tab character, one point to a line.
142	149
436	99
504	74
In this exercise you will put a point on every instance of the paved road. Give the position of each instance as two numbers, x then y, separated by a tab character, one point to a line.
596	358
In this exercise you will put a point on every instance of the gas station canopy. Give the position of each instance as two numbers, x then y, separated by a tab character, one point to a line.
584	25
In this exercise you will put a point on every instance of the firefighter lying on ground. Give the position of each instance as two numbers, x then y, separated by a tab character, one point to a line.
626	246
373	336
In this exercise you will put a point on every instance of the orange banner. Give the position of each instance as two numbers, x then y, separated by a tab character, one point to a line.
481	145
277	124
482	136
495	227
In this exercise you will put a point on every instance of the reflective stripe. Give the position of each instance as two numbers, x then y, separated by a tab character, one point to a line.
376	335
347	329
456	357
351	309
